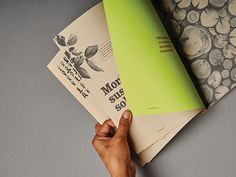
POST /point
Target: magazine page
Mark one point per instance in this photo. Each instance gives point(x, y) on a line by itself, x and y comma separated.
point(153, 76)
point(205, 35)
point(88, 48)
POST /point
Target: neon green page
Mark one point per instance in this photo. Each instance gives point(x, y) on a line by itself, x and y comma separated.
point(152, 74)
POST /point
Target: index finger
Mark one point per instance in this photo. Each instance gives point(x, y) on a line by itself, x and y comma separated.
point(106, 128)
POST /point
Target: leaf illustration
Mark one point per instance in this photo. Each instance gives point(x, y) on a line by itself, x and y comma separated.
point(76, 53)
point(61, 40)
point(72, 60)
point(93, 66)
point(79, 61)
point(82, 72)
point(72, 39)
point(91, 51)
point(67, 54)
point(71, 49)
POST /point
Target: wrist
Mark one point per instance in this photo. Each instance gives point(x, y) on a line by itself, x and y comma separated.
point(122, 171)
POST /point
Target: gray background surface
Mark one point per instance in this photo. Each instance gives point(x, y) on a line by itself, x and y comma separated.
point(45, 132)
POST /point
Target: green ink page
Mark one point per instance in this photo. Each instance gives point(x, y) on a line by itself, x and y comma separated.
point(152, 74)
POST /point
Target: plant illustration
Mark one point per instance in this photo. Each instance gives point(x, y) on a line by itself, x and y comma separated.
point(78, 57)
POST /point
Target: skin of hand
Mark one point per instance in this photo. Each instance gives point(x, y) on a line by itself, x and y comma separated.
point(113, 148)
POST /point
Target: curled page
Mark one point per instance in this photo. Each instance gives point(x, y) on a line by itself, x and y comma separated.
point(152, 74)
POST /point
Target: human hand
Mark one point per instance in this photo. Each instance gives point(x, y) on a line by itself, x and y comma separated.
point(113, 148)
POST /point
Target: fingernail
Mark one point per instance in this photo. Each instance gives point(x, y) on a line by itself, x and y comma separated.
point(126, 114)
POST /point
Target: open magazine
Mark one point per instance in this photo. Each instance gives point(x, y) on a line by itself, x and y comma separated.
point(166, 61)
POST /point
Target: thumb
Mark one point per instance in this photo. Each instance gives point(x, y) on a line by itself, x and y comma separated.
point(124, 124)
